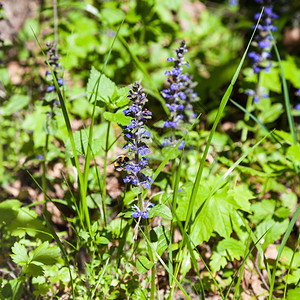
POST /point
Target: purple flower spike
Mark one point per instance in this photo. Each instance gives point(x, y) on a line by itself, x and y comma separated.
point(180, 94)
point(136, 137)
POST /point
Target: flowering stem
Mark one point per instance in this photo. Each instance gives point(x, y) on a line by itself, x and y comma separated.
point(150, 253)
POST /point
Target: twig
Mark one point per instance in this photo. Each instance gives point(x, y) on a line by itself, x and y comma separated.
point(261, 276)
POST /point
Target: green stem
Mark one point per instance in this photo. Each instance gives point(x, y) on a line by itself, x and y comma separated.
point(151, 256)
point(104, 174)
point(1, 152)
point(44, 180)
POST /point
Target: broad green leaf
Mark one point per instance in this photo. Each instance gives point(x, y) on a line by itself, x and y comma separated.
point(241, 196)
point(143, 264)
point(294, 152)
point(287, 255)
point(161, 210)
point(294, 294)
point(15, 103)
point(271, 114)
point(285, 136)
point(160, 237)
point(45, 254)
point(215, 215)
point(81, 141)
point(112, 15)
point(102, 240)
point(217, 262)
point(291, 71)
point(33, 269)
point(262, 209)
point(271, 80)
point(19, 255)
point(26, 222)
point(282, 212)
point(117, 117)
point(234, 248)
point(289, 200)
point(106, 87)
point(116, 227)
point(276, 230)
point(184, 196)
point(293, 279)
point(9, 210)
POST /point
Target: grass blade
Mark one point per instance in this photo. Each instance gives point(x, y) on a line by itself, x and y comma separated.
point(218, 117)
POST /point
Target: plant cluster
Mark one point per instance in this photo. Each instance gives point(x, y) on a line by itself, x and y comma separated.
point(113, 187)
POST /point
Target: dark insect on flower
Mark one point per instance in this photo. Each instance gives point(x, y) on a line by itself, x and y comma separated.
point(137, 138)
point(121, 162)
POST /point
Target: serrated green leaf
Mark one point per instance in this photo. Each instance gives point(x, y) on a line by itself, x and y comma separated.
point(106, 87)
point(161, 210)
point(215, 215)
point(117, 117)
point(20, 256)
point(34, 269)
point(45, 254)
point(217, 262)
point(143, 265)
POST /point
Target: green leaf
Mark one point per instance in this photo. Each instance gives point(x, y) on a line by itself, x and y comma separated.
point(271, 80)
point(102, 240)
point(262, 210)
point(215, 215)
point(19, 255)
point(15, 103)
point(106, 87)
point(285, 136)
point(217, 261)
point(117, 117)
point(294, 152)
point(276, 230)
point(26, 222)
point(9, 210)
point(161, 210)
point(143, 264)
point(289, 200)
point(282, 212)
point(33, 269)
point(160, 237)
point(234, 248)
point(81, 141)
point(291, 71)
point(294, 294)
point(45, 254)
